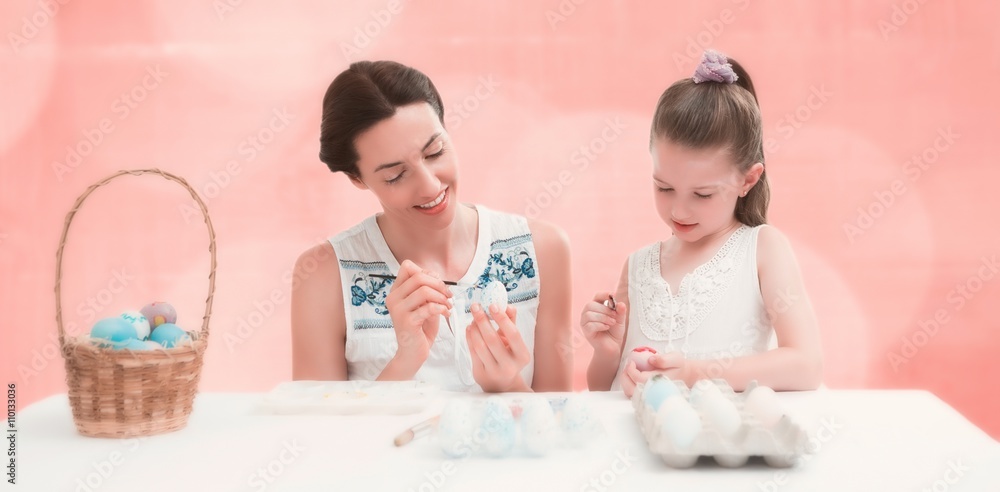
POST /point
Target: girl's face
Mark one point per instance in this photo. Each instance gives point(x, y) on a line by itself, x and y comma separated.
point(408, 163)
point(696, 189)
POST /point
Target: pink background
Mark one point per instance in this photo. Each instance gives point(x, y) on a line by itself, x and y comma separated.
point(526, 84)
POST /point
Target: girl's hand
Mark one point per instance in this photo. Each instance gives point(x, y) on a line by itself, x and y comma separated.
point(603, 327)
point(670, 364)
point(498, 355)
point(416, 301)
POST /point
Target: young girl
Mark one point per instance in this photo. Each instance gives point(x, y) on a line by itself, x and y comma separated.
point(711, 298)
point(371, 303)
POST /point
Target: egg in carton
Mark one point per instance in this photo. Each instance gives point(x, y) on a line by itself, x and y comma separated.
point(710, 419)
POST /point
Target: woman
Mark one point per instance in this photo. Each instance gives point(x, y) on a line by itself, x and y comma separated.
point(377, 306)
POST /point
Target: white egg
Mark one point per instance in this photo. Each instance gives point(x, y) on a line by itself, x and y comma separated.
point(139, 322)
point(721, 414)
point(679, 422)
point(763, 404)
point(579, 423)
point(538, 426)
point(701, 388)
point(455, 428)
point(493, 292)
point(498, 429)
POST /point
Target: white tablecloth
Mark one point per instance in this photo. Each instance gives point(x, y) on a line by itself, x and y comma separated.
point(864, 440)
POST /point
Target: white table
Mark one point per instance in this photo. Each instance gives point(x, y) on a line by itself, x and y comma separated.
point(866, 440)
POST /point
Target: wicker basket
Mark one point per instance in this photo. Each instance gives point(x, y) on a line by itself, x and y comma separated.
point(121, 393)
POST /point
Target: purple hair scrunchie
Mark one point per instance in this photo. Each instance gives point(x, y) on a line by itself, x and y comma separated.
point(714, 67)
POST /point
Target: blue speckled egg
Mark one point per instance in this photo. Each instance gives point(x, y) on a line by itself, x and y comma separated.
point(498, 428)
point(579, 423)
point(492, 293)
point(455, 427)
point(538, 426)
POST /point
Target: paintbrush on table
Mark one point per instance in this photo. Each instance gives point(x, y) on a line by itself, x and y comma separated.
point(416, 432)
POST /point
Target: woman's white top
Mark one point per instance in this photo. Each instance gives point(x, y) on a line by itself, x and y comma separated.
point(505, 252)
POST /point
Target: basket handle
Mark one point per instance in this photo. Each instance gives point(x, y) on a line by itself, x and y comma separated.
point(76, 206)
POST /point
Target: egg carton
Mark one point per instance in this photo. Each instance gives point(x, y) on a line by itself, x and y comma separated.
point(782, 445)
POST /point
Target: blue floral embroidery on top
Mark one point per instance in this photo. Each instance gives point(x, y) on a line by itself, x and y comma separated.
point(507, 268)
point(373, 291)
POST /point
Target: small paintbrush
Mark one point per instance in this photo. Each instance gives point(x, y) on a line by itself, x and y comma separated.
point(417, 431)
point(393, 277)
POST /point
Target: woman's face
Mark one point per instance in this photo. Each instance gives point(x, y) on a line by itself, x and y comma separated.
point(695, 189)
point(408, 163)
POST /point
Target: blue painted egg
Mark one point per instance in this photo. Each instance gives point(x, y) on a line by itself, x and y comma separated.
point(658, 390)
point(132, 344)
point(116, 331)
point(169, 335)
point(498, 427)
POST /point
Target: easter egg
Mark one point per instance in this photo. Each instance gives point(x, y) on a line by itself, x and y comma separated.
point(679, 422)
point(721, 413)
point(702, 388)
point(538, 426)
point(455, 427)
point(117, 331)
point(169, 335)
point(498, 427)
point(151, 345)
point(133, 344)
point(139, 322)
point(158, 313)
point(492, 293)
point(640, 356)
point(763, 404)
point(579, 424)
point(658, 390)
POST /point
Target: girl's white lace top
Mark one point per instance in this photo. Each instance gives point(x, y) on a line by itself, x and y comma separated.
point(716, 312)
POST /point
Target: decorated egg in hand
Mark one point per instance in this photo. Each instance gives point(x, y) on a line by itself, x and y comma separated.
point(159, 313)
point(492, 293)
point(117, 331)
point(169, 335)
point(641, 355)
point(139, 322)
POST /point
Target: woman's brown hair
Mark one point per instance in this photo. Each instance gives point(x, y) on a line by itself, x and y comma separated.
point(361, 96)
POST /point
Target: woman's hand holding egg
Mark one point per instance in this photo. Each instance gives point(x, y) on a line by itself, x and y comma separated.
point(498, 355)
point(415, 302)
